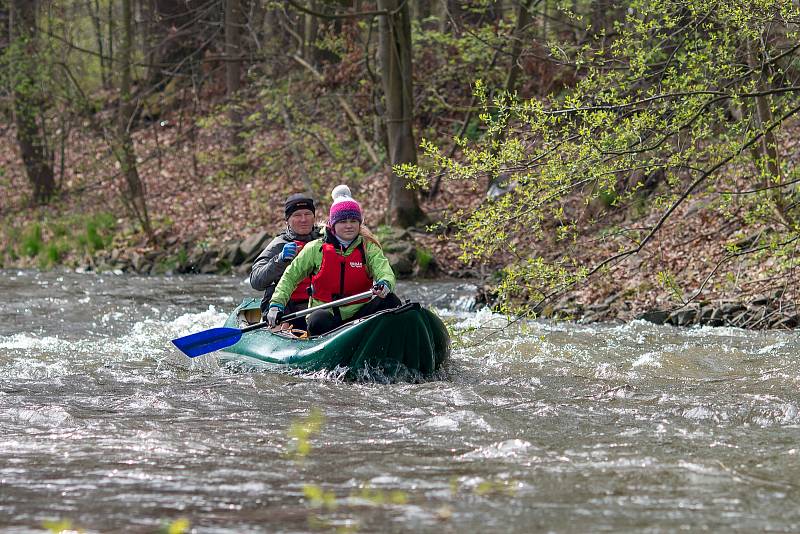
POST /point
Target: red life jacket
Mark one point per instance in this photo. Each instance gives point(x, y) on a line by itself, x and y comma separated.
point(302, 291)
point(341, 276)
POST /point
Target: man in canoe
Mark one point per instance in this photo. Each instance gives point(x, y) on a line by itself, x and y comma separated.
point(346, 261)
point(299, 212)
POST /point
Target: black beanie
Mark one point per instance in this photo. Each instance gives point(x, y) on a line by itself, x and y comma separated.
point(298, 201)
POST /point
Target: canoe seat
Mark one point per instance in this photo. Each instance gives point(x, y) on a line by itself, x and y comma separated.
point(251, 316)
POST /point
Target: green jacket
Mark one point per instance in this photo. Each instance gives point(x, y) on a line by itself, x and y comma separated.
point(309, 260)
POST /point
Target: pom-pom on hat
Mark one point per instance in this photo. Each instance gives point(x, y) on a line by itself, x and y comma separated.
point(344, 206)
point(298, 201)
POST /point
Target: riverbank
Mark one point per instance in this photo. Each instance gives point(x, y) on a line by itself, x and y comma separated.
point(769, 311)
point(210, 220)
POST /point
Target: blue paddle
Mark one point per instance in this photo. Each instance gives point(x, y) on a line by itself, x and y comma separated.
point(218, 338)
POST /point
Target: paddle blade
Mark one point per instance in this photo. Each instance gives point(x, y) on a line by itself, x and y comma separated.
point(207, 341)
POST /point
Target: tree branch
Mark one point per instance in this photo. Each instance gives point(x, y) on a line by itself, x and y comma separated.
point(689, 190)
point(719, 94)
point(347, 110)
point(339, 16)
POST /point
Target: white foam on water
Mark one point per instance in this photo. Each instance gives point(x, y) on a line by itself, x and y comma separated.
point(648, 359)
point(464, 303)
point(30, 356)
point(25, 341)
point(699, 469)
point(380, 480)
point(244, 487)
point(607, 371)
point(455, 420)
point(770, 349)
point(27, 368)
point(510, 448)
point(699, 413)
point(441, 422)
point(147, 402)
point(637, 330)
point(483, 318)
point(596, 460)
point(790, 413)
point(770, 410)
point(152, 336)
point(44, 416)
point(190, 323)
point(716, 331)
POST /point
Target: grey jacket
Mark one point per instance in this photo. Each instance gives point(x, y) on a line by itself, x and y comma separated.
point(268, 268)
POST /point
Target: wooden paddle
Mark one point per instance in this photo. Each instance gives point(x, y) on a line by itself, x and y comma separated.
point(218, 338)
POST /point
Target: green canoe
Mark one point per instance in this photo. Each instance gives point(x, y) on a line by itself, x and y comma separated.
point(406, 339)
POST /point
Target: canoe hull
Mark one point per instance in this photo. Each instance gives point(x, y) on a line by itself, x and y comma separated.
point(407, 339)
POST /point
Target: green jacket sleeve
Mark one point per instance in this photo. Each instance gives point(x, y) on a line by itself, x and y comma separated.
point(379, 267)
point(304, 264)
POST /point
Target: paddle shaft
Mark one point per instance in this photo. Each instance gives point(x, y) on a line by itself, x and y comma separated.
point(303, 313)
point(218, 338)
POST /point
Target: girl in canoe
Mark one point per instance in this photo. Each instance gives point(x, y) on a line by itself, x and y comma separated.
point(346, 261)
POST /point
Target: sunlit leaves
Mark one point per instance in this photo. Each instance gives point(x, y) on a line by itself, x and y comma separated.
point(669, 101)
point(179, 526)
point(318, 497)
point(379, 497)
point(302, 431)
point(667, 280)
point(60, 526)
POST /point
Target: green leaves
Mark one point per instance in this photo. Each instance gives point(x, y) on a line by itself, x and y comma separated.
point(59, 239)
point(302, 431)
point(680, 104)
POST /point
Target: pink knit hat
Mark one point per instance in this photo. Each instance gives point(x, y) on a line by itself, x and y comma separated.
point(343, 207)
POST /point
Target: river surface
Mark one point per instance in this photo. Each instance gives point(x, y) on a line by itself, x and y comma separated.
point(536, 427)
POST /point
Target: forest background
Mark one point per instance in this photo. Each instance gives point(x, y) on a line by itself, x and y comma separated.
point(590, 159)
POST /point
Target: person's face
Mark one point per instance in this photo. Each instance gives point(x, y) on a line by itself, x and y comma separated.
point(301, 222)
point(347, 229)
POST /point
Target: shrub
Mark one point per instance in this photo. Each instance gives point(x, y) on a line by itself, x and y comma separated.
point(32, 241)
point(424, 258)
point(51, 254)
point(99, 231)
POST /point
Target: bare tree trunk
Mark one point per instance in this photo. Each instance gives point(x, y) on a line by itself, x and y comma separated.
point(395, 54)
point(112, 29)
point(233, 53)
point(348, 110)
point(523, 19)
point(604, 14)
point(545, 19)
point(443, 14)
point(281, 31)
point(5, 28)
point(421, 9)
point(94, 13)
point(123, 143)
point(256, 24)
point(766, 151)
point(310, 30)
point(28, 107)
point(182, 31)
point(599, 20)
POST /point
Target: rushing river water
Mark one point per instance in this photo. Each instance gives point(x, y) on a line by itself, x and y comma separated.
point(537, 427)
